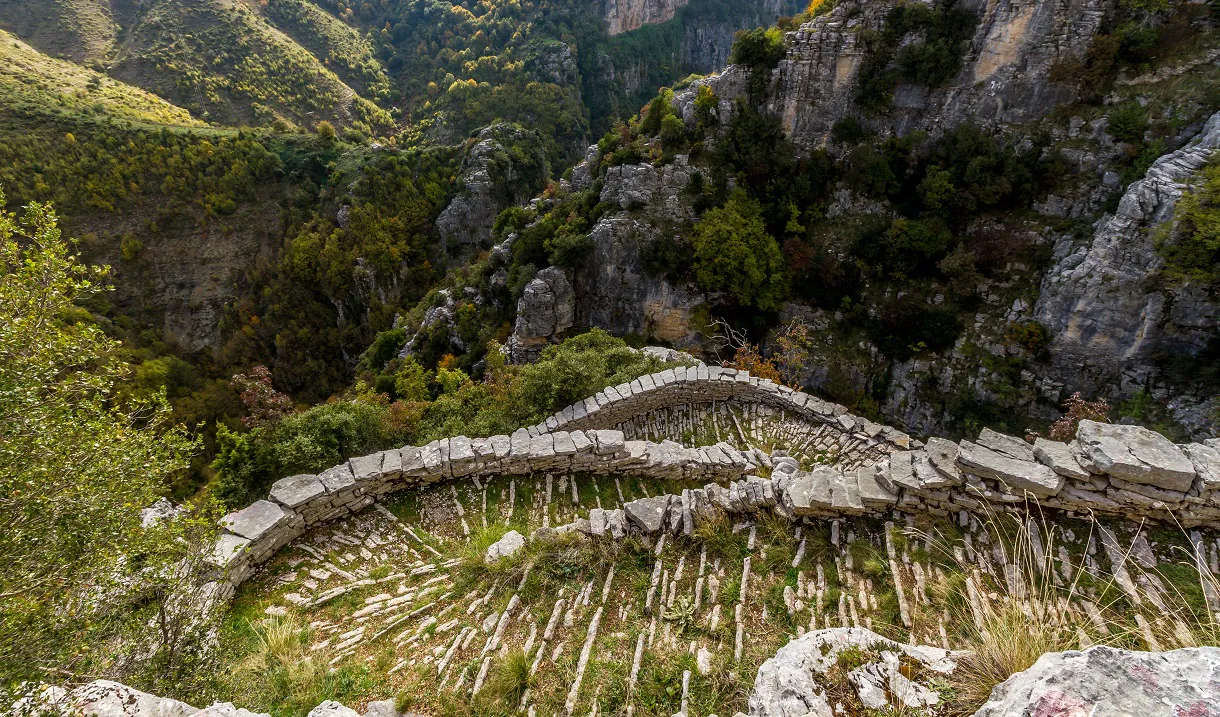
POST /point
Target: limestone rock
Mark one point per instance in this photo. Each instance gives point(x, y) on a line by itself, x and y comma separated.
point(227, 709)
point(505, 547)
point(1008, 445)
point(103, 698)
point(647, 513)
point(1105, 681)
point(255, 520)
point(330, 708)
point(1059, 458)
point(1207, 464)
point(297, 490)
point(1135, 454)
point(1107, 322)
point(491, 181)
point(546, 309)
point(793, 683)
point(1035, 478)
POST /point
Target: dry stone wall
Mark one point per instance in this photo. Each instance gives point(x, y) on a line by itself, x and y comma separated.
point(1123, 471)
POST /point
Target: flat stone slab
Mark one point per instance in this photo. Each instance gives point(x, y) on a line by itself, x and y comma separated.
point(1059, 458)
point(297, 490)
point(647, 513)
point(255, 520)
point(1135, 454)
point(228, 550)
point(1207, 463)
point(1010, 446)
point(1035, 478)
point(338, 479)
point(811, 493)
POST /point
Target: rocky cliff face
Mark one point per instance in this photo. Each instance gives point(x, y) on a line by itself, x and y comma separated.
point(1107, 311)
point(494, 178)
point(627, 15)
point(1004, 77)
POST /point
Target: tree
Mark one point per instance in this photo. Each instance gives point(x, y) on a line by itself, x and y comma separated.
point(734, 254)
point(78, 462)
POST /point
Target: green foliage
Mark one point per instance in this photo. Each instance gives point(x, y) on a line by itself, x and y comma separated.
point(735, 255)
point(1192, 253)
point(248, 463)
point(848, 130)
point(933, 58)
point(1128, 122)
point(411, 381)
point(568, 250)
point(77, 463)
point(758, 49)
point(107, 168)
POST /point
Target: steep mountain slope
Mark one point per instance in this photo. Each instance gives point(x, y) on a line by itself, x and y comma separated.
point(33, 83)
point(227, 63)
point(913, 188)
point(84, 31)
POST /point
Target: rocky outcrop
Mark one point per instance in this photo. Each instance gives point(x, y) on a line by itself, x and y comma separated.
point(1107, 314)
point(613, 290)
point(627, 15)
point(1105, 681)
point(492, 180)
point(545, 312)
point(1004, 78)
point(794, 682)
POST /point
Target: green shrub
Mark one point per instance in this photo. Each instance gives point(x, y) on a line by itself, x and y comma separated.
point(1128, 122)
point(1192, 253)
point(735, 255)
point(758, 48)
point(932, 59)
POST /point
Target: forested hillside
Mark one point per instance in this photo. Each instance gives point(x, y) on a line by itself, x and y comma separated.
point(265, 178)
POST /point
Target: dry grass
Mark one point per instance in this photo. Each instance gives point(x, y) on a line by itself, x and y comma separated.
point(1038, 611)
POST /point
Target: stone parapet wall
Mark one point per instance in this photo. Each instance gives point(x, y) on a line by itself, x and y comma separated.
point(297, 503)
point(703, 384)
point(1123, 471)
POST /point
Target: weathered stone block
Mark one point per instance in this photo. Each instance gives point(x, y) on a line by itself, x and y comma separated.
point(256, 520)
point(297, 490)
point(1135, 454)
point(1035, 478)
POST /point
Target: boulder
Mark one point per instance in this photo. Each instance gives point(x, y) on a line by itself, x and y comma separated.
point(1008, 445)
point(330, 708)
point(103, 698)
point(1106, 681)
point(1135, 454)
point(1035, 478)
point(794, 682)
point(648, 514)
point(505, 547)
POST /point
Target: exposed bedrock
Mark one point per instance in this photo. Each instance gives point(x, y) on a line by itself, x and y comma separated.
point(1107, 312)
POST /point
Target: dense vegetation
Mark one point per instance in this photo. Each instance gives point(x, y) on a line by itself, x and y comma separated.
point(78, 459)
point(420, 404)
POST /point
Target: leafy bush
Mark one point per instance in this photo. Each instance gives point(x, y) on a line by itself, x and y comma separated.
point(1192, 253)
point(761, 48)
point(1128, 122)
point(735, 255)
point(248, 463)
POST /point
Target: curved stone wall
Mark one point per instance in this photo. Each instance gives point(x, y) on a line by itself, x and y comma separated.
point(1124, 471)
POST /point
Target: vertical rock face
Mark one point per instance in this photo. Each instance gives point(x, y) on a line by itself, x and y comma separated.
point(1106, 318)
point(627, 15)
point(544, 312)
point(614, 291)
point(1004, 76)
